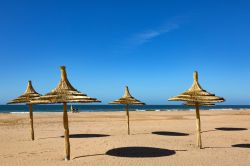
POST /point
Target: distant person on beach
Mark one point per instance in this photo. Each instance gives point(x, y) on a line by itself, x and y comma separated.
point(74, 110)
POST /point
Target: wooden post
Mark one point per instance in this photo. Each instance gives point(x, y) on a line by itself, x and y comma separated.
point(198, 125)
point(127, 113)
point(66, 131)
point(31, 122)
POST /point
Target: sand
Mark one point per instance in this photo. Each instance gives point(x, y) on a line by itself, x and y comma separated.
point(176, 148)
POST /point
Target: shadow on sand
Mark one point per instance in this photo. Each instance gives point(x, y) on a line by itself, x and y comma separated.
point(230, 129)
point(86, 135)
point(241, 145)
point(169, 133)
point(139, 152)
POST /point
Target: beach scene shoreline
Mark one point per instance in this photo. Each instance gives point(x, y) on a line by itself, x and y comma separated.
point(95, 136)
point(125, 83)
point(22, 108)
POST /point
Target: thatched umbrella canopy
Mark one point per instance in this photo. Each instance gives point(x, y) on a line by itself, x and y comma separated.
point(28, 95)
point(64, 93)
point(127, 100)
point(189, 103)
point(196, 96)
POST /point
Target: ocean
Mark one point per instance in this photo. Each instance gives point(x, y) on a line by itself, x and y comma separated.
point(111, 108)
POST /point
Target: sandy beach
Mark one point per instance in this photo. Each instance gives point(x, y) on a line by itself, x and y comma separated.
point(157, 138)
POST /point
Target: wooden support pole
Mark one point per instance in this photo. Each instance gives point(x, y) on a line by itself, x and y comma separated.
point(127, 113)
point(198, 126)
point(31, 122)
point(66, 131)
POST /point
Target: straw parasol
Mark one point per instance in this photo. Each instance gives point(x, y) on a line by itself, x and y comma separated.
point(64, 93)
point(188, 103)
point(28, 95)
point(127, 100)
point(196, 96)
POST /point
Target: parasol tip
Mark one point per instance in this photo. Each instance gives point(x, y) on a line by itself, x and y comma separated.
point(126, 93)
point(29, 82)
point(195, 75)
point(63, 73)
point(62, 67)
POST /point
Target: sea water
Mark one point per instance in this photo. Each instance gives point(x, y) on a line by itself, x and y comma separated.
point(117, 108)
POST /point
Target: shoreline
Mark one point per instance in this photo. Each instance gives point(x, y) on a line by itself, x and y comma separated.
point(132, 110)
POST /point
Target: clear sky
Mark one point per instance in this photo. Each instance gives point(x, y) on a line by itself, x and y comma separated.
point(153, 46)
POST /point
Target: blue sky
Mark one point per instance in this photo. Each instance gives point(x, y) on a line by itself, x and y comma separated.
point(152, 46)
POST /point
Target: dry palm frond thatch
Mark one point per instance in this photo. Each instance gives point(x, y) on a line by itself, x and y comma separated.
point(196, 96)
point(127, 100)
point(64, 93)
point(188, 103)
point(28, 95)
